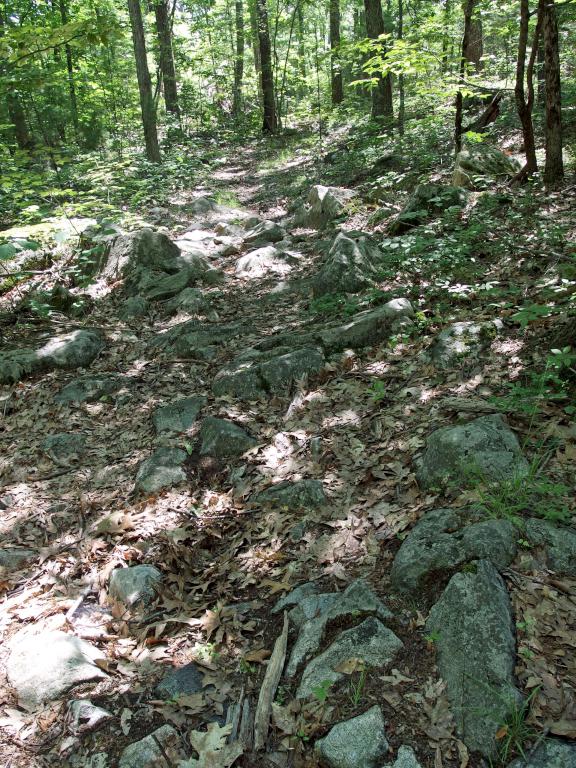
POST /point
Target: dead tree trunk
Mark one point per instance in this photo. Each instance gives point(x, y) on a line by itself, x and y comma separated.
point(525, 104)
point(335, 67)
point(468, 10)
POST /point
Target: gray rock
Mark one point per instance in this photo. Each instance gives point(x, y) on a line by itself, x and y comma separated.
point(186, 339)
point(190, 300)
point(352, 264)
point(265, 232)
point(302, 494)
point(76, 349)
point(264, 261)
point(147, 753)
point(550, 754)
point(427, 201)
point(90, 388)
point(223, 439)
point(178, 416)
point(356, 743)
point(41, 666)
point(134, 585)
point(250, 379)
point(485, 448)
point(203, 204)
point(164, 469)
point(280, 372)
point(473, 625)
point(133, 308)
point(557, 543)
point(293, 598)
point(326, 204)
point(14, 558)
point(64, 449)
point(367, 328)
point(482, 163)
point(445, 539)
point(370, 641)
point(144, 248)
point(183, 681)
point(86, 716)
point(406, 758)
point(460, 340)
point(162, 287)
point(315, 613)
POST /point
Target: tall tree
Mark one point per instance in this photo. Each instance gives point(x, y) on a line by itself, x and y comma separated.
point(382, 93)
point(144, 84)
point(554, 167)
point(468, 10)
point(335, 66)
point(70, 70)
point(475, 47)
point(301, 42)
point(401, 98)
point(524, 104)
point(239, 58)
point(166, 56)
point(270, 122)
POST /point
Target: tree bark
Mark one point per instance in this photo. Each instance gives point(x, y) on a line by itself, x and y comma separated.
point(166, 59)
point(524, 105)
point(18, 119)
point(70, 69)
point(255, 46)
point(335, 67)
point(554, 167)
point(401, 107)
point(270, 122)
point(144, 84)
point(446, 18)
point(541, 72)
point(475, 48)
point(382, 93)
point(468, 10)
point(301, 46)
point(239, 59)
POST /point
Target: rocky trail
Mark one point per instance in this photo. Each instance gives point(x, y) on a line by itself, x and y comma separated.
point(257, 510)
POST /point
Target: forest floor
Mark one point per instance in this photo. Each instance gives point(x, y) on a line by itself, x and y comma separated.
point(358, 427)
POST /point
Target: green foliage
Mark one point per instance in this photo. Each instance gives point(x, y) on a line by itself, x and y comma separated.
point(334, 304)
point(516, 732)
point(356, 685)
point(321, 691)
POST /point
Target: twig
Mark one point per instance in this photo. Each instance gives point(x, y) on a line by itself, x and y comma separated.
point(268, 689)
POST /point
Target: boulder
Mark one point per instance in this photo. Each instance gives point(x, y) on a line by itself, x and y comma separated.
point(473, 626)
point(134, 308)
point(461, 340)
point(64, 449)
point(302, 494)
point(11, 559)
point(265, 232)
point(262, 262)
point(190, 300)
point(479, 164)
point(427, 201)
point(161, 748)
point(557, 544)
point(294, 597)
point(549, 754)
point(326, 204)
point(203, 204)
point(86, 716)
point(90, 388)
point(143, 248)
point(314, 613)
point(445, 539)
point(134, 585)
point(370, 641)
point(249, 379)
point(223, 439)
point(159, 287)
point(42, 665)
point(406, 758)
point(76, 349)
point(356, 743)
point(187, 339)
point(164, 469)
point(353, 264)
point(483, 449)
point(367, 328)
point(183, 681)
point(178, 416)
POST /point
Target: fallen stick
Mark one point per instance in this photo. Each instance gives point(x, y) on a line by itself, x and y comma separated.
point(269, 686)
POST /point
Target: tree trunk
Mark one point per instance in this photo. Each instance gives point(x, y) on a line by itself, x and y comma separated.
point(401, 107)
point(541, 72)
point(70, 68)
point(475, 48)
point(270, 123)
point(239, 60)
point(554, 168)
point(255, 46)
point(468, 10)
point(335, 67)
point(382, 93)
point(166, 61)
point(18, 119)
point(447, 16)
point(144, 84)
point(301, 46)
point(524, 105)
